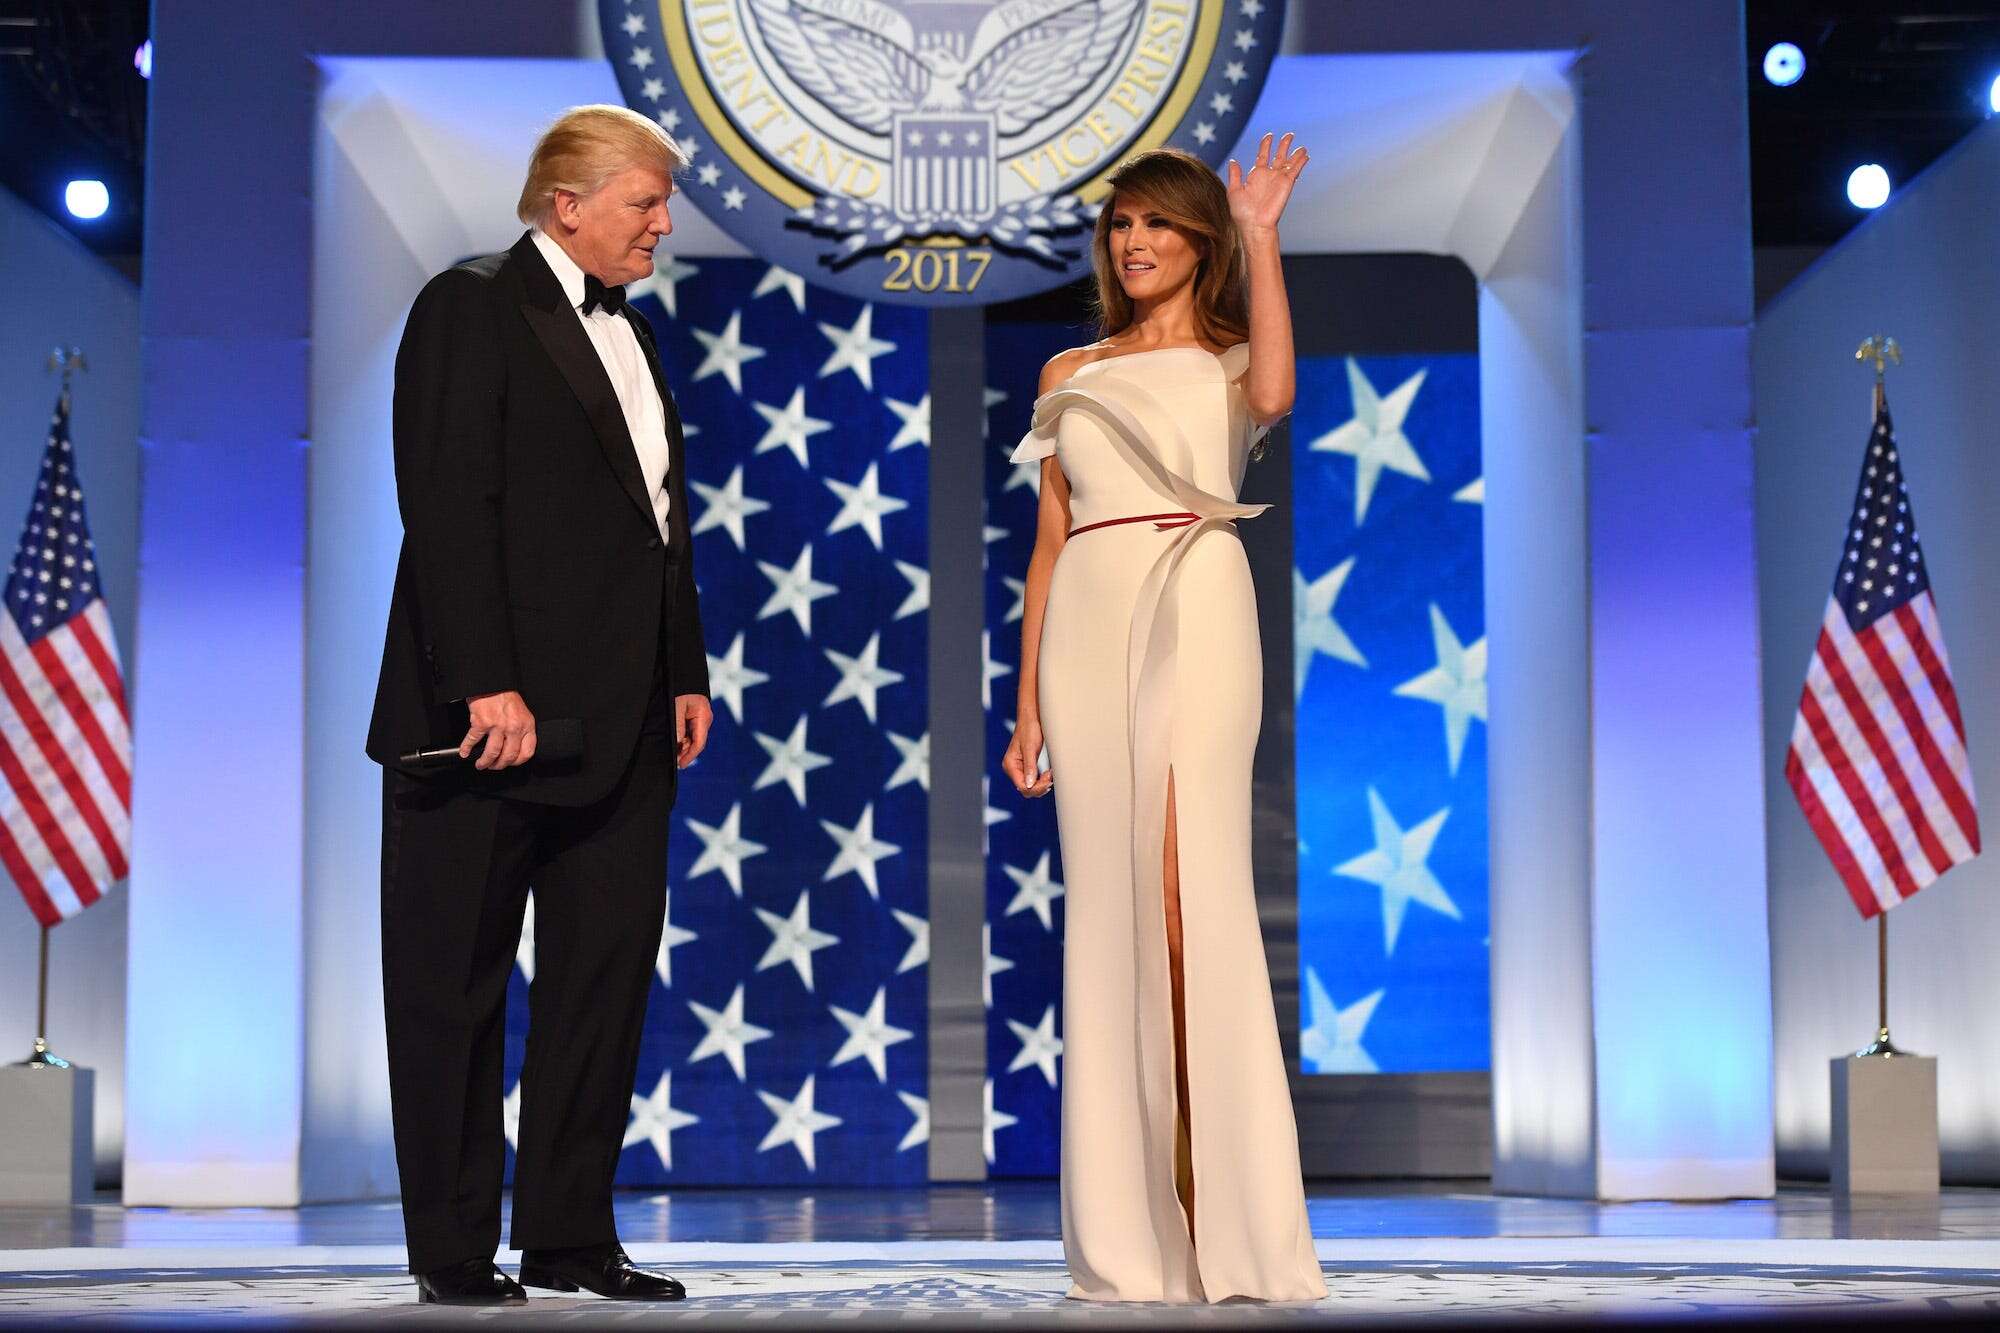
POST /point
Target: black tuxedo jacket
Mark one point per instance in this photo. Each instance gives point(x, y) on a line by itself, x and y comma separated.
point(531, 558)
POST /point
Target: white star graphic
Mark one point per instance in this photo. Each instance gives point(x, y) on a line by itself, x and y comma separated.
point(1221, 104)
point(776, 279)
point(1314, 630)
point(916, 761)
point(790, 761)
point(992, 1121)
point(524, 952)
point(992, 670)
point(797, 1122)
point(724, 848)
point(788, 427)
point(641, 57)
point(1234, 71)
point(653, 89)
point(863, 505)
point(1204, 133)
point(994, 814)
point(655, 1118)
point(860, 849)
point(919, 951)
point(1028, 473)
point(728, 677)
point(994, 963)
point(920, 1131)
point(1472, 493)
point(728, 1032)
point(869, 1035)
point(920, 589)
point(1035, 891)
point(860, 677)
point(667, 271)
point(726, 352)
point(793, 939)
point(727, 507)
point(1456, 684)
point(1330, 1043)
point(855, 349)
point(1398, 867)
point(1251, 8)
point(1019, 587)
point(794, 589)
point(633, 25)
point(671, 938)
point(733, 197)
point(916, 419)
point(1040, 1046)
point(669, 119)
point(510, 1117)
point(709, 175)
point(1375, 436)
point(1245, 39)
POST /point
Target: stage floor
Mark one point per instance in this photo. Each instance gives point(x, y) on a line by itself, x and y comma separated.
point(991, 1252)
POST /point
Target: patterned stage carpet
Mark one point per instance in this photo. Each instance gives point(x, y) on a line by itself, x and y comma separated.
point(1020, 1284)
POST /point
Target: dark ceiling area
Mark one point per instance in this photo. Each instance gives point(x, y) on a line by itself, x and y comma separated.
point(1891, 83)
point(73, 107)
point(1885, 81)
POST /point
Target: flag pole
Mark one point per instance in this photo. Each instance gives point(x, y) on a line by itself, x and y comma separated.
point(68, 360)
point(1880, 350)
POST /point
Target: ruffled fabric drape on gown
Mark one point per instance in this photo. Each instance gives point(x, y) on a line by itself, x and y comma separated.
point(1150, 662)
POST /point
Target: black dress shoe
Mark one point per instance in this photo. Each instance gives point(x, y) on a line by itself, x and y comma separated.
point(474, 1282)
point(604, 1269)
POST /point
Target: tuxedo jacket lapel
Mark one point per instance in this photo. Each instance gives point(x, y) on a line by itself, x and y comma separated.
point(556, 326)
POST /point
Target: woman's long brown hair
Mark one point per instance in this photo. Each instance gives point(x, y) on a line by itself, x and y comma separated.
point(1181, 188)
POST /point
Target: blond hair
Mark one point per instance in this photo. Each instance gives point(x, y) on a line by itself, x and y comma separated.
point(1179, 187)
point(586, 147)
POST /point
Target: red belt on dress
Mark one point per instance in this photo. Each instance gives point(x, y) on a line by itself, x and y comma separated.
point(1160, 522)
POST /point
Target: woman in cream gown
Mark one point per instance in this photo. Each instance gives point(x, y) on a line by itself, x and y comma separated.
point(1142, 672)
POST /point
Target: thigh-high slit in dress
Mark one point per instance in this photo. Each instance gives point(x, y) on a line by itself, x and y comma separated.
point(1150, 664)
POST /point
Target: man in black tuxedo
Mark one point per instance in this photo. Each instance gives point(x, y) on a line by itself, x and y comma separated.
point(546, 573)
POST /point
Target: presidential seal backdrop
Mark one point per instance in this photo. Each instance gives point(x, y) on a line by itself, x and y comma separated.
point(933, 152)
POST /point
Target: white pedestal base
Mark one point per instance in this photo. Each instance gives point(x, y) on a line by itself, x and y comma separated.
point(46, 1152)
point(1885, 1125)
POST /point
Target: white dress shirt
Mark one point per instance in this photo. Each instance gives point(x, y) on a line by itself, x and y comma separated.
point(624, 361)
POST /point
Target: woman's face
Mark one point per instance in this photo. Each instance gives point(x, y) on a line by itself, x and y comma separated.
point(1152, 257)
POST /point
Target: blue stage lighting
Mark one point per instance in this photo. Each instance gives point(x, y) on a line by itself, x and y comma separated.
point(1993, 96)
point(1784, 64)
point(86, 199)
point(1868, 186)
point(142, 59)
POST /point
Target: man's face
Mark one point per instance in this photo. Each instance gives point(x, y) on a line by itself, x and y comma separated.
point(612, 232)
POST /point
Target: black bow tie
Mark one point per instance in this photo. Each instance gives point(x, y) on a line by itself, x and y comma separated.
point(596, 296)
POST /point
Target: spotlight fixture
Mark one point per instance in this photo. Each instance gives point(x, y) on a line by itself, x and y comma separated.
point(87, 200)
point(142, 59)
point(1784, 64)
point(1993, 96)
point(1868, 186)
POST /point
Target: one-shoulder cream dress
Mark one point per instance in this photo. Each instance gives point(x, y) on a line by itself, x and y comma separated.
point(1150, 661)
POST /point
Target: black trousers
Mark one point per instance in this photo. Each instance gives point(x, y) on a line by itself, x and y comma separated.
point(456, 872)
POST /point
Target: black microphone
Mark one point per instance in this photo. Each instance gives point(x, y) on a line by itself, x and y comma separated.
point(558, 740)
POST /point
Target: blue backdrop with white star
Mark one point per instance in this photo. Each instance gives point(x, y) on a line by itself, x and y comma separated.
point(1390, 672)
point(1024, 907)
point(785, 1037)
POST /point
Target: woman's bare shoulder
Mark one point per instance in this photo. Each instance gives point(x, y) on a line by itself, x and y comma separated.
point(1065, 364)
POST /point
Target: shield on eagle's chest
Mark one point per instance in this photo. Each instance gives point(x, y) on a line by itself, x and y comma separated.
point(943, 164)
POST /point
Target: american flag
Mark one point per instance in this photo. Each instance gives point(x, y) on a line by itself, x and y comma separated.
point(65, 736)
point(1878, 759)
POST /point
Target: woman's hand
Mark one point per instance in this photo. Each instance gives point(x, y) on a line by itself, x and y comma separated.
point(1023, 760)
point(1258, 200)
